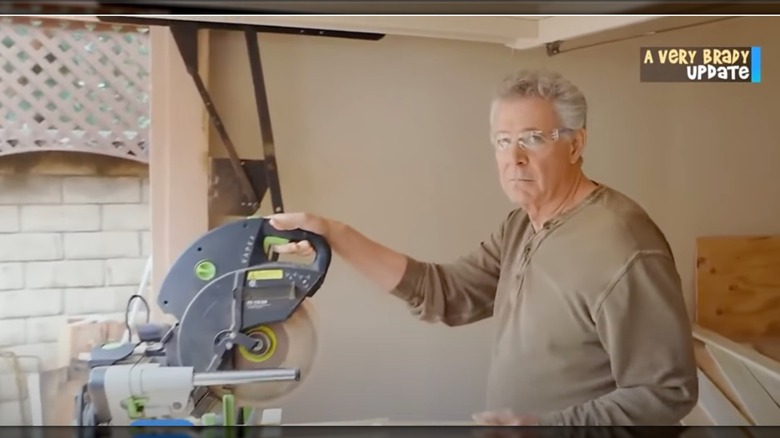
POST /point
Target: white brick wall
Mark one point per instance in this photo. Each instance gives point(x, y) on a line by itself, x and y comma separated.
point(97, 299)
point(9, 218)
point(12, 332)
point(64, 273)
point(85, 217)
point(69, 245)
point(25, 247)
point(101, 190)
point(31, 302)
point(126, 217)
point(23, 189)
point(124, 272)
point(146, 244)
point(11, 276)
point(102, 245)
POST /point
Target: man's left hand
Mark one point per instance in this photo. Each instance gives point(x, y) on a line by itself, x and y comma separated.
point(505, 418)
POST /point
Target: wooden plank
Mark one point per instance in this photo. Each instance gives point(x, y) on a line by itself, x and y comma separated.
point(770, 384)
point(35, 399)
point(744, 353)
point(717, 406)
point(753, 398)
point(738, 285)
point(178, 163)
point(271, 417)
point(764, 368)
point(709, 367)
point(769, 347)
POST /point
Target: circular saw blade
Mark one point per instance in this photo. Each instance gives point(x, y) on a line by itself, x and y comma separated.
point(293, 344)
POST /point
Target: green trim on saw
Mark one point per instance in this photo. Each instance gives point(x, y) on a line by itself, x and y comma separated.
point(111, 345)
point(205, 270)
point(208, 419)
point(269, 241)
point(248, 413)
point(135, 407)
point(228, 410)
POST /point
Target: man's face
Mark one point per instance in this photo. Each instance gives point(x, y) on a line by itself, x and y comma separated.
point(529, 175)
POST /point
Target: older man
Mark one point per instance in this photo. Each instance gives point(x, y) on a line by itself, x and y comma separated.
point(591, 322)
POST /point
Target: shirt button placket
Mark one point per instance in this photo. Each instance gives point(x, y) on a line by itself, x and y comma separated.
point(526, 252)
point(520, 278)
point(523, 263)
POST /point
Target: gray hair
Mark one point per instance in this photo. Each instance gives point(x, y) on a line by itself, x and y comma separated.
point(569, 102)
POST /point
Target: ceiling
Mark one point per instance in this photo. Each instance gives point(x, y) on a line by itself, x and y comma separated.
point(530, 17)
point(517, 32)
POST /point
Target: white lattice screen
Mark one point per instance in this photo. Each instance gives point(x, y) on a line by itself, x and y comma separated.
point(71, 85)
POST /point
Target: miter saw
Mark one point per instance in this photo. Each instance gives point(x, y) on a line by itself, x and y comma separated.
point(243, 330)
point(243, 333)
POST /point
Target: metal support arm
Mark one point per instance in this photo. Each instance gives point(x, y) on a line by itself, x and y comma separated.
point(252, 178)
point(186, 37)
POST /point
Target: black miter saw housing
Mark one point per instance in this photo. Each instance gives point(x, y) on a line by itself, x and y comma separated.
point(223, 285)
point(227, 283)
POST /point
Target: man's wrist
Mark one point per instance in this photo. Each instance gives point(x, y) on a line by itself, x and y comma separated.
point(332, 229)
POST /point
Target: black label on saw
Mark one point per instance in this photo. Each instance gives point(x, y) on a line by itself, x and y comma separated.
point(257, 298)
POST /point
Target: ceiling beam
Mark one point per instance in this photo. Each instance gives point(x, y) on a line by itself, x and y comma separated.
point(566, 27)
point(503, 7)
point(487, 29)
point(516, 32)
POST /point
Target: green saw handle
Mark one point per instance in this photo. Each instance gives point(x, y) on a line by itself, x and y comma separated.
point(272, 236)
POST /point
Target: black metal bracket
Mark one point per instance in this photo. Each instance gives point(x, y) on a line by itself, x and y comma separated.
point(258, 28)
point(237, 186)
point(186, 37)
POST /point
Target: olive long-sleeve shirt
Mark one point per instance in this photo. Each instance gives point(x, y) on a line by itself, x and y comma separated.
point(591, 321)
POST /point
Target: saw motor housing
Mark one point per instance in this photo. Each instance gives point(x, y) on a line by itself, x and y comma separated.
point(228, 295)
point(227, 283)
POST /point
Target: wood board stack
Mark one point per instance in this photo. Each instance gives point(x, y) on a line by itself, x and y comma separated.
point(737, 331)
point(80, 336)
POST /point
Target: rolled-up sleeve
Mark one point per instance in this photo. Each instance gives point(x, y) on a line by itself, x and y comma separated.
point(644, 327)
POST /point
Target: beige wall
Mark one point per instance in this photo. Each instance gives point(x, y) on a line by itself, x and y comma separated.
point(403, 123)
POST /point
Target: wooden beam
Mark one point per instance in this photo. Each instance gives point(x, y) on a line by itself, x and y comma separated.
point(178, 165)
point(489, 29)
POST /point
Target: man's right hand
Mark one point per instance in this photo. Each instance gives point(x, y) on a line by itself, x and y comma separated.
point(304, 221)
point(379, 263)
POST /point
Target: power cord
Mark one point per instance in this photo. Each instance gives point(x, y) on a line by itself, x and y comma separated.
point(127, 313)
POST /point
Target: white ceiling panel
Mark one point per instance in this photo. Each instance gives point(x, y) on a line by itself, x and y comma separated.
point(518, 32)
point(514, 31)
